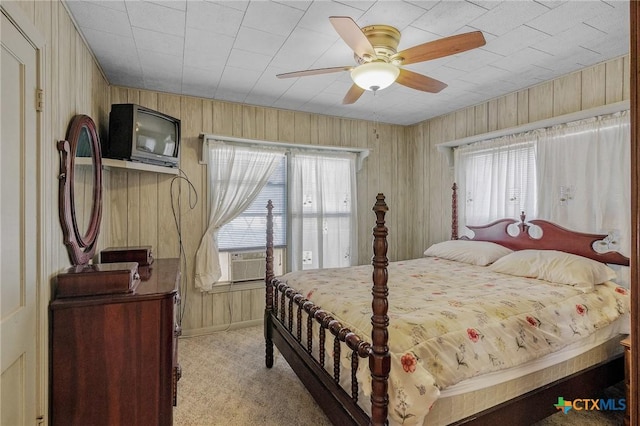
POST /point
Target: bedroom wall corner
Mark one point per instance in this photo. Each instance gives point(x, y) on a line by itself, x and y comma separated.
point(140, 202)
point(602, 84)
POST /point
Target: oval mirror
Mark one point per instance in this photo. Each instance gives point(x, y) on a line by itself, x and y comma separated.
point(80, 189)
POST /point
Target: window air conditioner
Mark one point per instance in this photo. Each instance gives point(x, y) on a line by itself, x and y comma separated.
point(247, 266)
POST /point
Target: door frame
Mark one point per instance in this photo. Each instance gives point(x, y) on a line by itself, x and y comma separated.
point(17, 16)
point(634, 52)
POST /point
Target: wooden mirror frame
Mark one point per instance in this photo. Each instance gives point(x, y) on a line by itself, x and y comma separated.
point(81, 246)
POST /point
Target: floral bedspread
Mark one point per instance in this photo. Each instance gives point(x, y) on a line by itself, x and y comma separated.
point(450, 321)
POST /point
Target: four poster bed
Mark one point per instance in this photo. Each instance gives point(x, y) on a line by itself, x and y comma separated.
point(467, 334)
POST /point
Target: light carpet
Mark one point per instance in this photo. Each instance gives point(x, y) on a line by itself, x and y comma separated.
point(225, 382)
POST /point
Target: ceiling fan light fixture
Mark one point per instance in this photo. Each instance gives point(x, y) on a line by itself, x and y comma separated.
point(375, 75)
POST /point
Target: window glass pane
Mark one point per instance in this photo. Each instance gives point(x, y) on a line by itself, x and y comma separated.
point(248, 229)
point(496, 181)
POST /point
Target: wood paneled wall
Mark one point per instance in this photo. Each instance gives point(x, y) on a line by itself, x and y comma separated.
point(598, 85)
point(141, 202)
point(403, 162)
point(73, 84)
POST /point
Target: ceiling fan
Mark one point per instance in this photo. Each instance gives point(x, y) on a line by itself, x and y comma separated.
point(378, 61)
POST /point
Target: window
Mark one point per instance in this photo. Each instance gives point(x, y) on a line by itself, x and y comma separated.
point(323, 216)
point(247, 230)
point(318, 194)
point(574, 174)
point(244, 175)
point(496, 179)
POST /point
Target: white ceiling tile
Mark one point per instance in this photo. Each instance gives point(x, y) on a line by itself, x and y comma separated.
point(162, 84)
point(200, 76)
point(271, 17)
point(515, 40)
point(123, 77)
point(248, 60)
point(97, 17)
point(155, 17)
point(552, 4)
point(316, 18)
point(340, 86)
point(473, 59)
point(486, 75)
point(425, 4)
point(159, 64)
point(198, 82)
point(104, 42)
point(609, 47)
point(571, 61)
point(522, 59)
point(257, 41)
point(412, 36)
point(448, 16)
point(121, 68)
point(316, 84)
point(112, 4)
point(236, 4)
point(396, 14)
point(173, 4)
point(206, 48)
point(615, 21)
point(230, 95)
point(302, 5)
point(203, 59)
point(158, 42)
point(444, 73)
point(487, 4)
point(568, 15)
point(239, 79)
point(290, 102)
point(214, 18)
point(338, 54)
point(562, 42)
point(302, 48)
point(359, 4)
point(179, 48)
point(507, 16)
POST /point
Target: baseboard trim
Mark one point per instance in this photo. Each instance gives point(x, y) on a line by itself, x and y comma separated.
point(230, 287)
point(222, 327)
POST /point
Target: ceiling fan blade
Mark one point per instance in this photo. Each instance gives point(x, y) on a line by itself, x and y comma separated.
point(440, 48)
point(417, 81)
point(314, 72)
point(353, 36)
point(353, 94)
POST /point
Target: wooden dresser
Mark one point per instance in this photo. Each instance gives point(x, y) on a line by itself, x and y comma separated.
point(113, 358)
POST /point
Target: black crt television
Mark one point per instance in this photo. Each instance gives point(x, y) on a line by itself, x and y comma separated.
point(141, 134)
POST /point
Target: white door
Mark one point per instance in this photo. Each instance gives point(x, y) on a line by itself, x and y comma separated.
point(18, 233)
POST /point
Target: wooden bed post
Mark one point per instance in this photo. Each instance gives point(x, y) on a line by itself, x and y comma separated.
point(454, 212)
point(268, 278)
point(379, 360)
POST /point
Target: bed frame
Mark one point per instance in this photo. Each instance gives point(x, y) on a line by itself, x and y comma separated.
point(342, 408)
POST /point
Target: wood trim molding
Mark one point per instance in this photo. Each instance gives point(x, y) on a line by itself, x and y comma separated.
point(634, 380)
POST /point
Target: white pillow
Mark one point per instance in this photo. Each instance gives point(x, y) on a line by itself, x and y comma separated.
point(555, 266)
point(475, 252)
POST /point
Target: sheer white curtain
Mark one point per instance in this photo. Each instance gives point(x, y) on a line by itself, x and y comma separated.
point(322, 203)
point(584, 176)
point(236, 176)
point(496, 179)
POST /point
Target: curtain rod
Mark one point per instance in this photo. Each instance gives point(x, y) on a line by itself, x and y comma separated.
point(361, 152)
point(447, 147)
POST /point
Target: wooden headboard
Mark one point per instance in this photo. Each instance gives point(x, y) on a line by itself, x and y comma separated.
point(553, 237)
